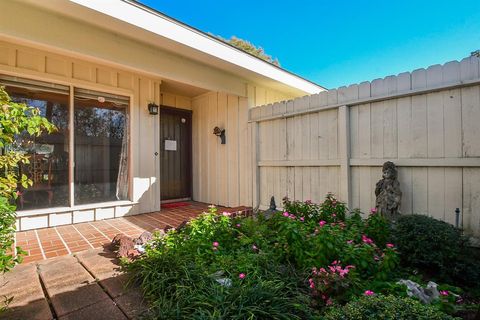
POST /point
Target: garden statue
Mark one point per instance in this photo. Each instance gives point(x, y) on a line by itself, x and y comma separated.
point(272, 209)
point(388, 192)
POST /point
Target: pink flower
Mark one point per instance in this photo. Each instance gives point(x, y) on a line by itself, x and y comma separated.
point(390, 245)
point(366, 239)
point(322, 223)
point(350, 241)
point(369, 293)
point(226, 214)
point(285, 214)
point(334, 215)
point(242, 275)
point(312, 284)
point(444, 293)
point(292, 216)
point(216, 244)
point(329, 302)
point(254, 248)
point(238, 225)
point(302, 219)
point(373, 210)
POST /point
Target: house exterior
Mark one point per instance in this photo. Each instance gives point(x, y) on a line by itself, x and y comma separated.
point(97, 69)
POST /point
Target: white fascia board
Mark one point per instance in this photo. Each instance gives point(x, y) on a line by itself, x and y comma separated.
point(160, 25)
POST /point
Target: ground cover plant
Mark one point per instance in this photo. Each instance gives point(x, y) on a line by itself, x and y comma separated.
point(302, 263)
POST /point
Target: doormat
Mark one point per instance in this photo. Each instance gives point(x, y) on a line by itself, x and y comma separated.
point(175, 205)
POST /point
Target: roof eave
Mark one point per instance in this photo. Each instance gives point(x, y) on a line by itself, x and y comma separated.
point(148, 19)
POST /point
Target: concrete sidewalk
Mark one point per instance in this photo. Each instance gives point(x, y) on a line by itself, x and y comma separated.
point(88, 285)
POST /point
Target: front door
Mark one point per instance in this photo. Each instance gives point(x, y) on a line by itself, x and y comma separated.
point(176, 153)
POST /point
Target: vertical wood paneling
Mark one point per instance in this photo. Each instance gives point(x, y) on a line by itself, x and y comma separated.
point(471, 199)
point(404, 118)
point(435, 128)
point(390, 120)
point(453, 193)
point(419, 116)
point(222, 158)
point(376, 120)
point(233, 151)
point(213, 146)
point(244, 153)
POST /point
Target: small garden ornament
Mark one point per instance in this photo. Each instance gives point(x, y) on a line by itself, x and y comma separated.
point(388, 193)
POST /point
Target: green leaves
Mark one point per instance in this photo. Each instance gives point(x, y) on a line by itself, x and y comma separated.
point(15, 118)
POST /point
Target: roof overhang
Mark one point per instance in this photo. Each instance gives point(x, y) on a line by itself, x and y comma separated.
point(131, 19)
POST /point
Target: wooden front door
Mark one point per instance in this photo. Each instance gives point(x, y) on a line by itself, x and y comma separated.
point(175, 154)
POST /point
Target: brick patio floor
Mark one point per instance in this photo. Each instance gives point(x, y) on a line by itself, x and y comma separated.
point(41, 244)
point(71, 274)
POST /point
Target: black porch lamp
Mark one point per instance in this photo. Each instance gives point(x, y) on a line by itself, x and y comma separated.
point(153, 108)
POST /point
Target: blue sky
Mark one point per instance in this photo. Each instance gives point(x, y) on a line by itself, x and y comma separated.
point(335, 43)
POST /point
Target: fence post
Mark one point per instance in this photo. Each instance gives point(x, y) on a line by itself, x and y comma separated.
point(344, 154)
point(256, 169)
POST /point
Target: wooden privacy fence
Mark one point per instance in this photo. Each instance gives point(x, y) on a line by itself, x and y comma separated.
point(427, 122)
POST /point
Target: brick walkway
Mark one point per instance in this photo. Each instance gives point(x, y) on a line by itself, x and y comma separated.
point(53, 242)
point(71, 274)
point(85, 286)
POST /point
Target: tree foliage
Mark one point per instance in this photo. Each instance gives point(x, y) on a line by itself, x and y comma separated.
point(248, 47)
point(15, 118)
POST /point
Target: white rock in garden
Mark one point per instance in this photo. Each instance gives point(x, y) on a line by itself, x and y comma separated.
point(425, 295)
point(225, 282)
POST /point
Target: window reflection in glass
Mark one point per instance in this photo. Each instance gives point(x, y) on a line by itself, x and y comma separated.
point(48, 153)
point(100, 151)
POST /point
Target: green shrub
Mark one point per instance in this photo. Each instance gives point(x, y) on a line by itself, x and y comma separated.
point(181, 274)
point(385, 307)
point(15, 118)
point(330, 210)
point(436, 247)
point(274, 265)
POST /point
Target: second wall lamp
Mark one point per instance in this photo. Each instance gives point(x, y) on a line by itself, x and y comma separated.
point(220, 133)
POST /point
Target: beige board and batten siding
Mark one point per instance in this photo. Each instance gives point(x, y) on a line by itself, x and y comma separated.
point(220, 171)
point(31, 63)
point(425, 121)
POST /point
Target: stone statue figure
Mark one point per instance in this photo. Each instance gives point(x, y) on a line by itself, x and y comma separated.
point(388, 192)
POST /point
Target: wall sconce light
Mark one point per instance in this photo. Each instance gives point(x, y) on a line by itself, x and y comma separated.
point(153, 108)
point(220, 133)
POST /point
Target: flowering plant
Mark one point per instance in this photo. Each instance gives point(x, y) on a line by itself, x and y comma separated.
point(332, 284)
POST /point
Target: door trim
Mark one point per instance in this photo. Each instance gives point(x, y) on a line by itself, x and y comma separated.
point(188, 115)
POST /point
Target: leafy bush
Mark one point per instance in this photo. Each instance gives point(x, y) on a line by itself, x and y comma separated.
point(14, 119)
point(220, 266)
point(331, 210)
point(385, 307)
point(333, 284)
point(437, 247)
